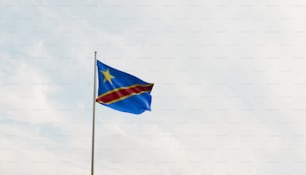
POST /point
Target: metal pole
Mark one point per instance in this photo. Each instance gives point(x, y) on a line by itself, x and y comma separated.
point(93, 117)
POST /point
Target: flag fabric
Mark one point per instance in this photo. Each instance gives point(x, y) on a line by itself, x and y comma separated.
point(122, 91)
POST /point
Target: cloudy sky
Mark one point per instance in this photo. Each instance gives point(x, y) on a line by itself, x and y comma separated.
point(229, 95)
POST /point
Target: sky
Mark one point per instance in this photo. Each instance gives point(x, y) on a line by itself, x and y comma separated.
point(229, 87)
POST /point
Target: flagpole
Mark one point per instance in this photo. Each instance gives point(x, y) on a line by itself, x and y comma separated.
point(93, 117)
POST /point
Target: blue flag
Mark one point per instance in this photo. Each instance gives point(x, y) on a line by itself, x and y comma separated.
point(122, 91)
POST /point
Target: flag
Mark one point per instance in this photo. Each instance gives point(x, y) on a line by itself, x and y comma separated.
point(122, 91)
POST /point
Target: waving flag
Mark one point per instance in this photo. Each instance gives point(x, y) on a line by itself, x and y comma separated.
point(122, 91)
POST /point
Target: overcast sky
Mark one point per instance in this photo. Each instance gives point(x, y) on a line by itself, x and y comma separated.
point(229, 95)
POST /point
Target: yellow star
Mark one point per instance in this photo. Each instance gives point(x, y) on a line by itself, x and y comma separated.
point(107, 76)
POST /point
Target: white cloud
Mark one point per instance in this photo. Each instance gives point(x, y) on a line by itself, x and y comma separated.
point(228, 95)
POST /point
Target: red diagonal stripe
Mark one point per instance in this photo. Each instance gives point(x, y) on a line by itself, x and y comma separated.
point(122, 93)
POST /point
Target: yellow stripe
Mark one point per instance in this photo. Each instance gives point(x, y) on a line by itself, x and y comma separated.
point(122, 98)
point(128, 87)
